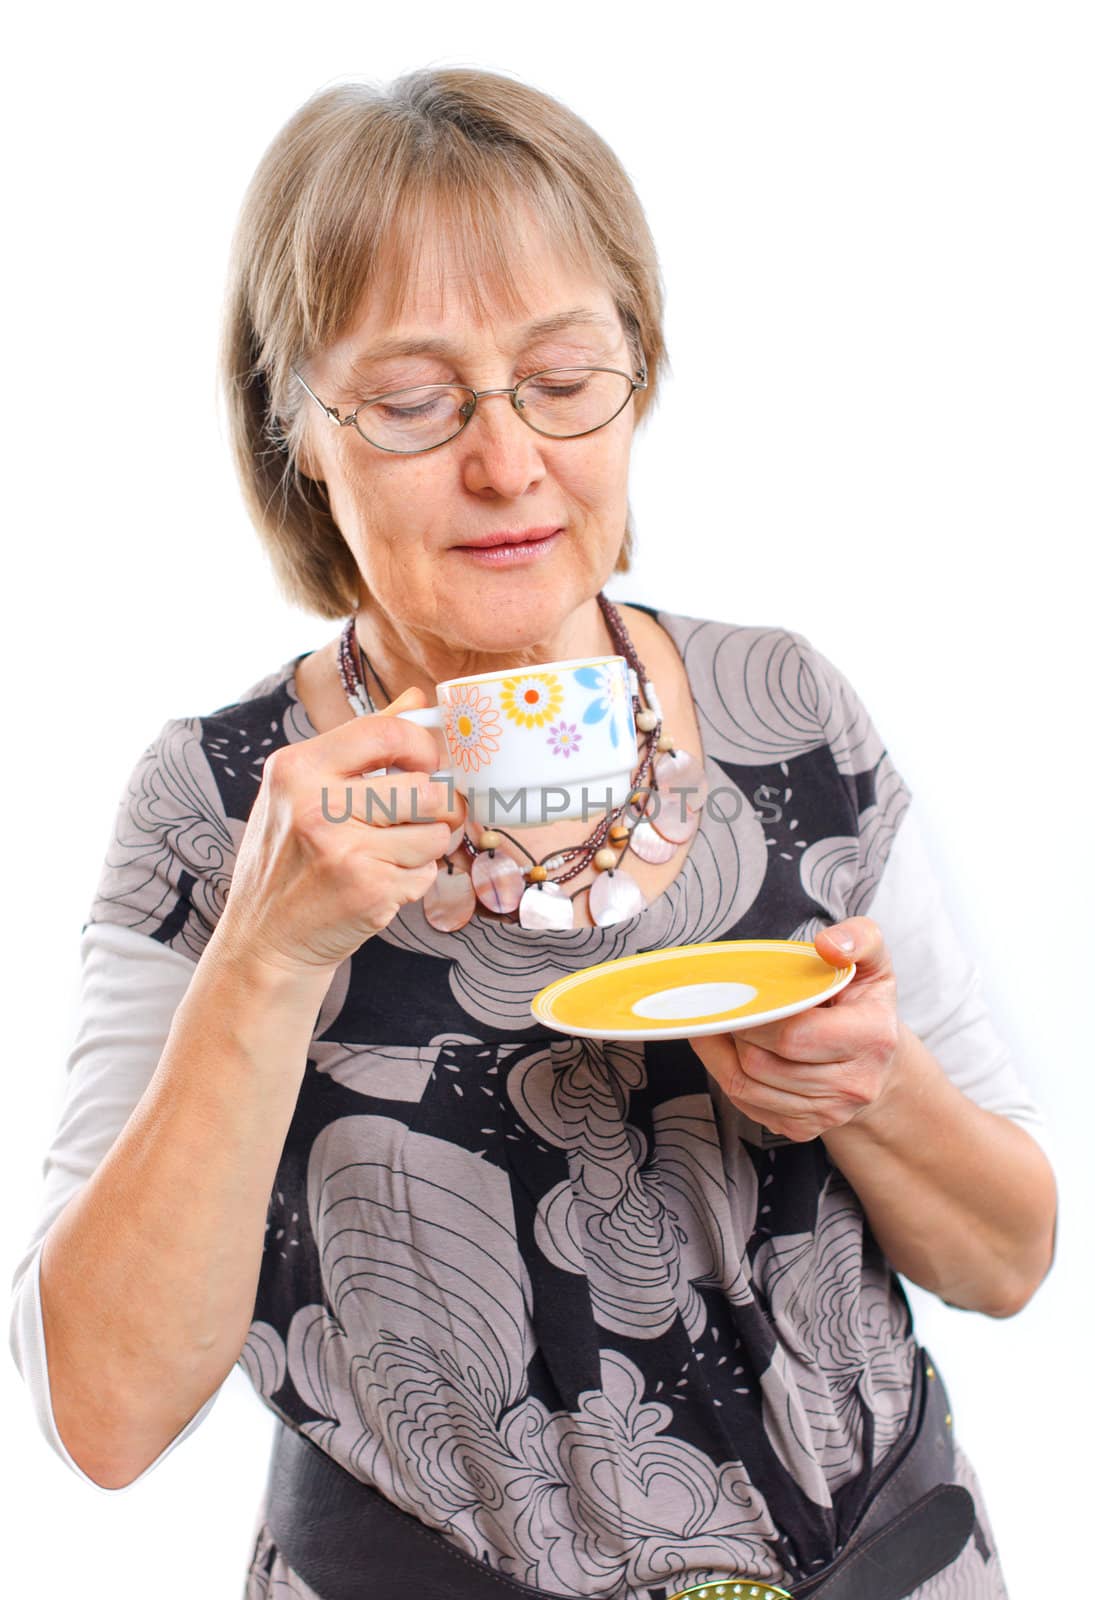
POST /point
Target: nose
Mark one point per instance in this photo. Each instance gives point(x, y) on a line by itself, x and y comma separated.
point(501, 454)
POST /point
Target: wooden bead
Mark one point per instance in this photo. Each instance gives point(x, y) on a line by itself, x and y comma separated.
point(605, 859)
point(646, 721)
point(489, 839)
point(619, 833)
point(667, 742)
point(536, 874)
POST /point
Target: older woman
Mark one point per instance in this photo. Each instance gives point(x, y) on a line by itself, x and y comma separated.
point(538, 1315)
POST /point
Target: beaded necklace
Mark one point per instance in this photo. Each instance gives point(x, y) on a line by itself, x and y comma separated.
point(660, 814)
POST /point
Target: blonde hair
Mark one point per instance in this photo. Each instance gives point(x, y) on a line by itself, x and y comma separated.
point(339, 206)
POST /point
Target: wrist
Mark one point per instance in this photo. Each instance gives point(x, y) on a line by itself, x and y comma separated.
point(267, 978)
point(906, 1080)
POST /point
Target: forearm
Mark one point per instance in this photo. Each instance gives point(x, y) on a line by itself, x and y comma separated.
point(148, 1276)
point(961, 1200)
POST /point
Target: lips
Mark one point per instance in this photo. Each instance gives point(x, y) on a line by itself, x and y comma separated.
point(513, 536)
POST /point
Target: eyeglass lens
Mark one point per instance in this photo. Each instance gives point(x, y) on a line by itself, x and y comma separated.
point(560, 403)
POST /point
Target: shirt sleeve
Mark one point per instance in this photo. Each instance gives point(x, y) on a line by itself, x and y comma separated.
point(887, 874)
point(843, 873)
point(161, 891)
point(169, 865)
point(130, 986)
point(939, 986)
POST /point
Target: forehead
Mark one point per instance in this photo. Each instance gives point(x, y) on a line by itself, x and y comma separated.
point(446, 288)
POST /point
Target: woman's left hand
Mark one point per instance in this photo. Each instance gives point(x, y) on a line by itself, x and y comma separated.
point(807, 1074)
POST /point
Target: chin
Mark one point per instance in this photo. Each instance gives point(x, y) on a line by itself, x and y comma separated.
point(512, 610)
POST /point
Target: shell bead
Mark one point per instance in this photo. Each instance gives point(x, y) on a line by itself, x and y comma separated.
point(673, 820)
point(649, 845)
point(678, 769)
point(546, 906)
point(498, 880)
point(449, 902)
point(614, 897)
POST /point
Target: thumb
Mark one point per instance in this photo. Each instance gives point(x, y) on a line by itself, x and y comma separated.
point(856, 939)
point(412, 699)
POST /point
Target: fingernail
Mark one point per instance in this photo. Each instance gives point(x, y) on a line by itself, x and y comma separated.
point(843, 941)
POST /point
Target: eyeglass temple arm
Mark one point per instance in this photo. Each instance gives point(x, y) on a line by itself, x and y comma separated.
point(330, 411)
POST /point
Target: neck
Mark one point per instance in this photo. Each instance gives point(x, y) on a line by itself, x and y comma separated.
point(423, 660)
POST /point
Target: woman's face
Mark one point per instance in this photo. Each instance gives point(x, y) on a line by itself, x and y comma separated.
point(408, 519)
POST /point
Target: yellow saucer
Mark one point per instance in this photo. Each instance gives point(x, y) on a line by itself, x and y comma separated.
point(691, 989)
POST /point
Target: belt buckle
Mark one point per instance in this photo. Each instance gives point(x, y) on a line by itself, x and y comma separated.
point(732, 1589)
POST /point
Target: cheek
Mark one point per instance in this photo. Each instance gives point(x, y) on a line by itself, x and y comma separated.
point(352, 489)
point(385, 511)
point(599, 475)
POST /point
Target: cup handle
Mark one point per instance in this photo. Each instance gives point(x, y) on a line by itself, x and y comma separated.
point(427, 717)
point(431, 717)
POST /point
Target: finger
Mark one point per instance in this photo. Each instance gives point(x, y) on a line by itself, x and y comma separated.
point(801, 1125)
point(817, 1036)
point(415, 844)
point(393, 799)
point(764, 1074)
point(743, 1068)
point(382, 739)
point(857, 939)
point(720, 1055)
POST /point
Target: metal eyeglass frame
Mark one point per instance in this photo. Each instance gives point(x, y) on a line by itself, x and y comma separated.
point(469, 408)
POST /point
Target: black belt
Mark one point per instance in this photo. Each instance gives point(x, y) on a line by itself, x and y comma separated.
point(349, 1543)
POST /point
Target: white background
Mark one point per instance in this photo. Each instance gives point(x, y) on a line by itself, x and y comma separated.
point(875, 226)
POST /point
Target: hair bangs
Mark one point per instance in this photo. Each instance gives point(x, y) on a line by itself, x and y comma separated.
point(474, 234)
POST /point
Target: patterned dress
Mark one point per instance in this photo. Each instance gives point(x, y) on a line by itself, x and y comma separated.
point(558, 1298)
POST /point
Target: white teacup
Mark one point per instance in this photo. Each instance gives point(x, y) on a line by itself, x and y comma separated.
point(538, 744)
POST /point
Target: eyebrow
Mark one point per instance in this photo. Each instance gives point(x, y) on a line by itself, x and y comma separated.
point(578, 316)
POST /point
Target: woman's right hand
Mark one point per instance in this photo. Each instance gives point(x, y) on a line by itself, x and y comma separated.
point(307, 890)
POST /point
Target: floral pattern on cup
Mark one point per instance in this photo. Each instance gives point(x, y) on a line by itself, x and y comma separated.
point(612, 699)
point(472, 727)
point(564, 739)
point(532, 699)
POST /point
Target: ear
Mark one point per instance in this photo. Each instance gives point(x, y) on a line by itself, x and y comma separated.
point(307, 459)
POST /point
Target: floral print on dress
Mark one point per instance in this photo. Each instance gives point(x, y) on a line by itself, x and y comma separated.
point(564, 739)
point(533, 699)
point(472, 727)
point(558, 1297)
point(415, 1371)
point(612, 700)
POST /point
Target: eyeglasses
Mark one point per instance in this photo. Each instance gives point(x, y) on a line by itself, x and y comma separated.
point(560, 403)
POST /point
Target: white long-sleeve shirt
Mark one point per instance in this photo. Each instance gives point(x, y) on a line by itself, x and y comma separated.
point(131, 986)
